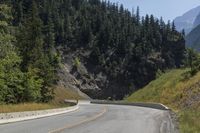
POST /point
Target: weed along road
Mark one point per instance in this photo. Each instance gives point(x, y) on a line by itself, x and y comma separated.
point(98, 118)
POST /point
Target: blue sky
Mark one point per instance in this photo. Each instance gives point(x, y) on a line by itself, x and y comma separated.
point(168, 9)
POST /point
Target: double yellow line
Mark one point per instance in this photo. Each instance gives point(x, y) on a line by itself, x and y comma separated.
point(80, 122)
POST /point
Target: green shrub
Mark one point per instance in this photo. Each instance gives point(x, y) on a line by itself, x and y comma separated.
point(77, 62)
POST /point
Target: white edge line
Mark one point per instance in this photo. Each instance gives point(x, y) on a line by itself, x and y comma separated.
point(70, 109)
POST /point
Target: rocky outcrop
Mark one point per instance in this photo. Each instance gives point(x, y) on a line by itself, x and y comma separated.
point(75, 76)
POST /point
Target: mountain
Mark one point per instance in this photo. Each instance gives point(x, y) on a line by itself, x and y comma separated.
point(190, 21)
point(197, 21)
point(193, 38)
point(91, 46)
point(187, 20)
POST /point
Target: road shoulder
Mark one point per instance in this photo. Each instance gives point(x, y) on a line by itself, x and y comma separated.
point(6, 118)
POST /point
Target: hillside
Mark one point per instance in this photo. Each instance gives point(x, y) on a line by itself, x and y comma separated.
point(97, 47)
point(180, 93)
point(193, 38)
point(60, 95)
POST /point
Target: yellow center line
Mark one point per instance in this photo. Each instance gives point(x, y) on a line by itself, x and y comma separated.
point(80, 122)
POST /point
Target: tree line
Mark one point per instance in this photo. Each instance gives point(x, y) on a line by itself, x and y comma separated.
point(27, 65)
point(128, 48)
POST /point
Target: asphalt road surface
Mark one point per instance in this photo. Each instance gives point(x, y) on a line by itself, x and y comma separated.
point(92, 118)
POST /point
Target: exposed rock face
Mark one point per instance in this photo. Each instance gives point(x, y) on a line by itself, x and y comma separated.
point(69, 81)
point(79, 74)
point(78, 78)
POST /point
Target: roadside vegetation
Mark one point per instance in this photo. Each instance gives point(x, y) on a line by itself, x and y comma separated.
point(62, 93)
point(178, 91)
point(27, 107)
point(58, 102)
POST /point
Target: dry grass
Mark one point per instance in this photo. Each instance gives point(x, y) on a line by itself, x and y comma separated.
point(25, 107)
point(62, 93)
point(174, 90)
point(58, 102)
point(189, 121)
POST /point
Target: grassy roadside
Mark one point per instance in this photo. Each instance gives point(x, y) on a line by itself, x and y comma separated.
point(60, 95)
point(179, 93)
point(189, 121)
point(26, 107)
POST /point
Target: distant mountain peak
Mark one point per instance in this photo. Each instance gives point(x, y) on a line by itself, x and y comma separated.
point(190, 15)
point(187, 20)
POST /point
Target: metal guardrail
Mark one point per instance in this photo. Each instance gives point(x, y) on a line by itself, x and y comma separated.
point(148, 105)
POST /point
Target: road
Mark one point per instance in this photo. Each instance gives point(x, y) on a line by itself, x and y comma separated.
point(93, 118)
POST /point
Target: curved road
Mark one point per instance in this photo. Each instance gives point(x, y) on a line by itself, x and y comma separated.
point(92, 118)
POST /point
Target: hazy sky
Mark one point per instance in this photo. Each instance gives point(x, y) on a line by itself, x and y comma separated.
point(169, 9)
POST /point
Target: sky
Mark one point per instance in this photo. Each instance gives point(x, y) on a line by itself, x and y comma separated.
point(168, 9)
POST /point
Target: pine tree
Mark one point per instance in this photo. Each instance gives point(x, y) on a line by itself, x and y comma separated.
point(30, 39)
point(11, 78)
point(124, 47)
point(31, 45)
point(138, 15)
point(183, 33)
point(173, 27)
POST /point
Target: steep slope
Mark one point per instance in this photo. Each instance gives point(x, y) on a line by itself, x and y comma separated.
point(186, 20)
point(105, 50)
point(197, 21)
point(74, 75)
point(193, 39)
point(178, 92)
